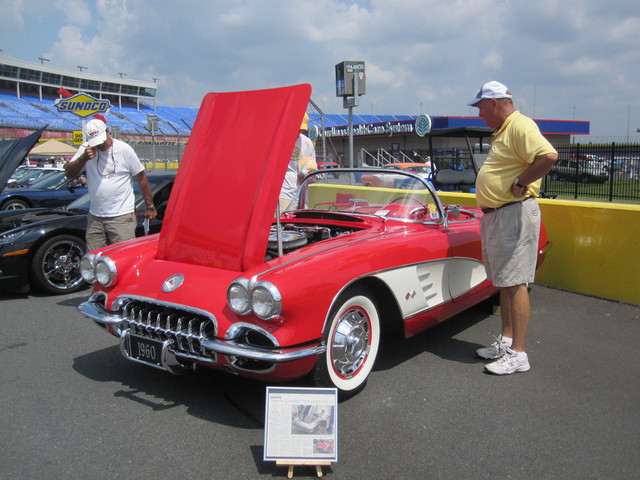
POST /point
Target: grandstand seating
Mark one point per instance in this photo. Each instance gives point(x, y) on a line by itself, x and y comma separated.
point(31, 112)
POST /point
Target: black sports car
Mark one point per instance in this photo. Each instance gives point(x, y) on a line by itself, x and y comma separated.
point(42, 247)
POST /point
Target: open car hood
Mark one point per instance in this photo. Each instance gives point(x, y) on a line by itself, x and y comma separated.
point(225, 194)
point(12, 152)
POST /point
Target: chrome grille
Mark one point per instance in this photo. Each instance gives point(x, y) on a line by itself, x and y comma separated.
point(187, 329)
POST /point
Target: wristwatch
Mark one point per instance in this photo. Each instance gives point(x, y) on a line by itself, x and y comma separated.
point(151, 207)
point(518, 184)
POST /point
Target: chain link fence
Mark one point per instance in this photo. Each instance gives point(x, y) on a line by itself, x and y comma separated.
point(159, 155)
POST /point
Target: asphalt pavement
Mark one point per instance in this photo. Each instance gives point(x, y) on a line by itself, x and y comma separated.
point(72, 408)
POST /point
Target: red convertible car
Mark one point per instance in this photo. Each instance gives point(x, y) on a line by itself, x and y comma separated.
point(231, 284)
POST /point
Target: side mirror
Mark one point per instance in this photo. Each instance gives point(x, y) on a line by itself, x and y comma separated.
point(453, 211)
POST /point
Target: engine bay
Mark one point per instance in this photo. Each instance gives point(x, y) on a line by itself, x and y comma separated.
point(297, 235)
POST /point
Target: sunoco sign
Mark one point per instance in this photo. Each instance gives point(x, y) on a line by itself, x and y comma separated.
point(82, 105)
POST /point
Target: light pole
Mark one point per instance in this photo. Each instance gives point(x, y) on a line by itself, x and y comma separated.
point(628, 120)
point(351, 105)
point(350, 84)
point(152, 124)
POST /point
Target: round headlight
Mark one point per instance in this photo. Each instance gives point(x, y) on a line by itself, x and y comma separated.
point(106, 271)
point(266, 300)
point(88, 268)
point(238, 296)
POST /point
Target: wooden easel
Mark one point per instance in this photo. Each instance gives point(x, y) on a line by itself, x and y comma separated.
point(293, 463)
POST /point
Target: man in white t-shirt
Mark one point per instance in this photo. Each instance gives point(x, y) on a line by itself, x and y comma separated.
point(109, 165)
point(303, 161)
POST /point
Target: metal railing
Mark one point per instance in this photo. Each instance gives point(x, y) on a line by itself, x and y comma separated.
point(606, 172)
point(382, 157)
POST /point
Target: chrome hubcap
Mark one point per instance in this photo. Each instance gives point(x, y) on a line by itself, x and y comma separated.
point(350, 343)
point(63, 264)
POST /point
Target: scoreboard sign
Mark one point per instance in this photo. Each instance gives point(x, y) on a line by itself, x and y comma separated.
point(82, 105)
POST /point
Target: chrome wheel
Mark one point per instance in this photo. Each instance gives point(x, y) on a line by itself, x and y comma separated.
point(56, 265)
point(352, 337)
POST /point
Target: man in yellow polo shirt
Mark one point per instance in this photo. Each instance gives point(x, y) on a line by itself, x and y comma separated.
point(506, 188)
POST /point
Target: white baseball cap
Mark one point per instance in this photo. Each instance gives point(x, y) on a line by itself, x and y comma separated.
point(491, 90)
point(96, 132)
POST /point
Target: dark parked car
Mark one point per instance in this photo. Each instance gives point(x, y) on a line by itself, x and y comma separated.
point(52, 190)
point(43, 247)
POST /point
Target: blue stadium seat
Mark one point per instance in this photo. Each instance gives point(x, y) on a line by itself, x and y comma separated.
point(31, 112)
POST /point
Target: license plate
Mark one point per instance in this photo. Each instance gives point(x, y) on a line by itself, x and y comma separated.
point(145, 350)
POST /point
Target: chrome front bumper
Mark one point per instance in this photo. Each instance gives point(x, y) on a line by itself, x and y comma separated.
point(93, 309)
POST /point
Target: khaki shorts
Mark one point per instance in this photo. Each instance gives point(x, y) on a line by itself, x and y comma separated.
point(103, 231)
point(510, 243)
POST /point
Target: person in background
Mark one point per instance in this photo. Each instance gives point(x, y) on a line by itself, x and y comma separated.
point(110, 165)
point(303, 161)
point(506, 188)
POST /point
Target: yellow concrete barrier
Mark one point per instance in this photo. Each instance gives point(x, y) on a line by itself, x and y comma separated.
point(596, 246)
point(160, 166)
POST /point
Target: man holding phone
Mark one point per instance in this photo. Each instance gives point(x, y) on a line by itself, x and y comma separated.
point(109, 165)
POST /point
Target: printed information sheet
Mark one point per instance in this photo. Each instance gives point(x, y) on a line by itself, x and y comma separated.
point(301, 424)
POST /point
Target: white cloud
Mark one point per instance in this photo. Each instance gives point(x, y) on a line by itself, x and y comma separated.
point(492, 61)
point(76, 11)
point(11, 20)
point(555, 55)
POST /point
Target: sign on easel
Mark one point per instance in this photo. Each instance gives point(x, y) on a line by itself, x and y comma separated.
point(301, 427)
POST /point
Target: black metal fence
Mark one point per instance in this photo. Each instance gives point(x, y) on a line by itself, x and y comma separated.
point(605, 172)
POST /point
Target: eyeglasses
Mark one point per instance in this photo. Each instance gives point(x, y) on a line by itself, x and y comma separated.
point(106, 167)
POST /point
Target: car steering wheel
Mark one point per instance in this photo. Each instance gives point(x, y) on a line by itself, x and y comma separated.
point(414, 213)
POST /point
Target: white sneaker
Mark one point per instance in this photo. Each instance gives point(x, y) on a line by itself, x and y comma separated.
point(510, 362)
point(496, 350)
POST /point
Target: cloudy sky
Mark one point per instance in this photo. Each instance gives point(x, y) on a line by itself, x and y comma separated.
point(563, 59)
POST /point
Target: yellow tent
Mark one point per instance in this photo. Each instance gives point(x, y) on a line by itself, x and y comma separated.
point(53, 148)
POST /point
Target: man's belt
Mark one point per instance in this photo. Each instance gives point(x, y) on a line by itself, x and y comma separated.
point(489, 210)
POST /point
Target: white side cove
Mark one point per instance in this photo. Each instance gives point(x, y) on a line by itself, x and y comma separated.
point(426, 285)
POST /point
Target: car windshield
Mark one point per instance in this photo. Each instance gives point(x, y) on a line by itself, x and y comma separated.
point(19, 172)
point(52, 181)
point(32, 176)
point(81, 203)
point(392, 194)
